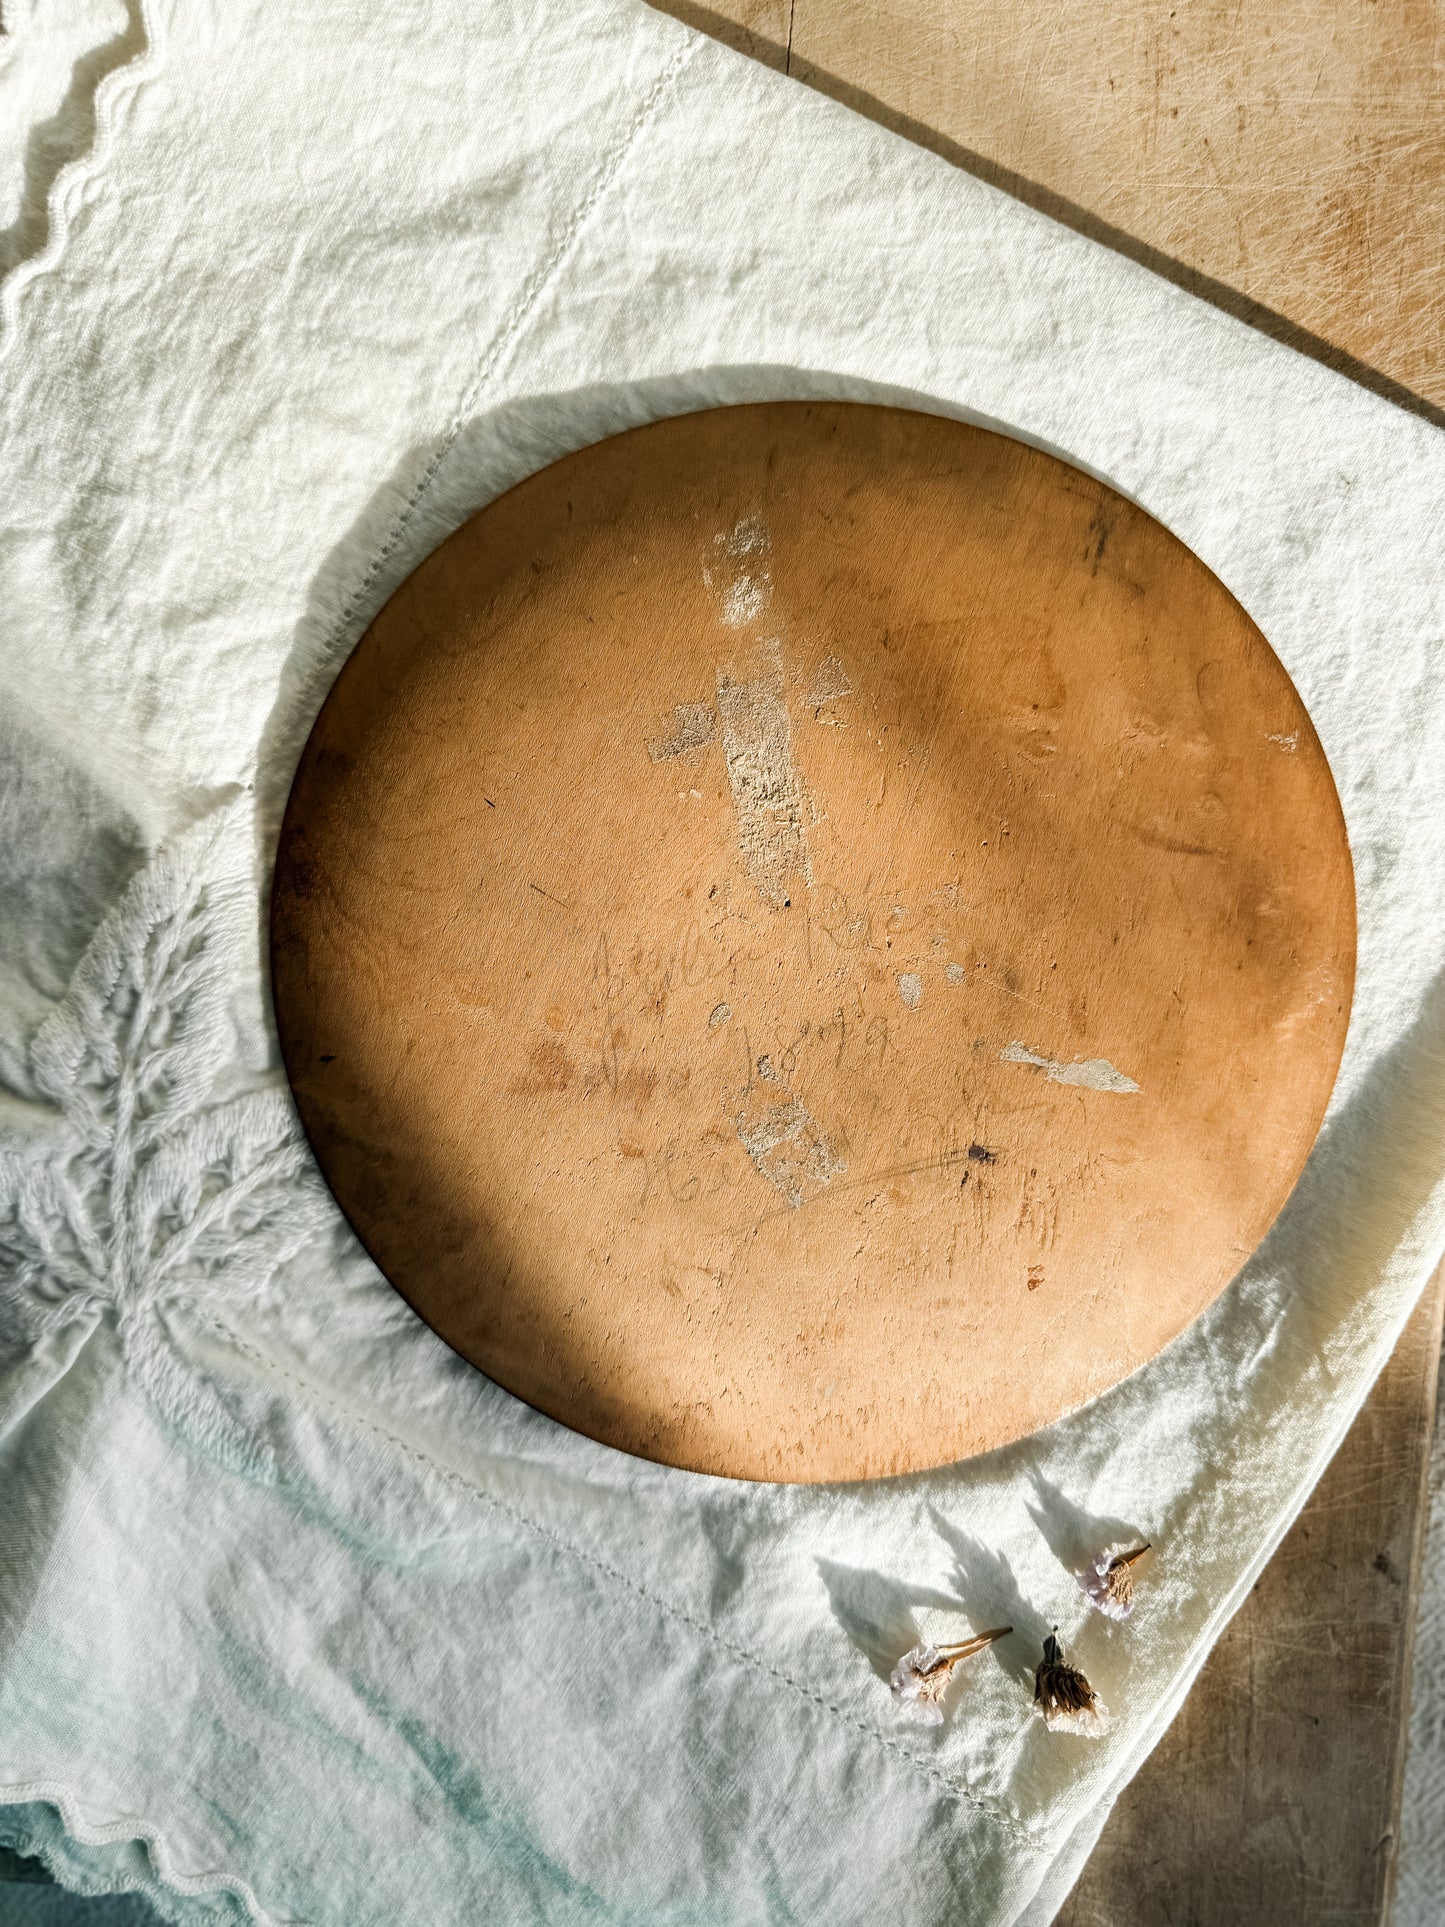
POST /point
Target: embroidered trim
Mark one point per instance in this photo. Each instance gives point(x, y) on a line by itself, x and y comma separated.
point(122, 1833)
point(67, 190)
point(137, 1184)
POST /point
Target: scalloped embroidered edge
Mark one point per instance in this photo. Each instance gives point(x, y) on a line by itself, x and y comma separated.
point(119, 1833)
point(68, 188)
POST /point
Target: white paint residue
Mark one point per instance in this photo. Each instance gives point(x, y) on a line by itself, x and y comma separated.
point(830, 682)
point(694, 727)
point(748, 537)
point(789, 1150)
point(955, 973)
point(767, 793)
point(749, 584)
point(751, 721)
point(719, 1016)
point(1289, 744)
point(744, 599)
point(1091, 1073)
point(910, 989)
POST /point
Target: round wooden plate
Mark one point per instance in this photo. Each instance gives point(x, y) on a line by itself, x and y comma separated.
point(811, 939)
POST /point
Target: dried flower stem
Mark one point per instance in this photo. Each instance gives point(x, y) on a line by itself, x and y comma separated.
point(921, 1677)
point(966, 1648)
point(1120, 1579)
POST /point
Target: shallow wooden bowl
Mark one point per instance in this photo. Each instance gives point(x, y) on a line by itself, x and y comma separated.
point(811, 939)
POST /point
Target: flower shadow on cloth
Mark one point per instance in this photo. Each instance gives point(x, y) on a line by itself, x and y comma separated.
point(1074, 1535)
point(876, 1611)
point(986, 1580)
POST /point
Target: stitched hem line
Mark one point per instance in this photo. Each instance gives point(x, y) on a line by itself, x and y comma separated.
point(1011, 1823)
point(506, 337)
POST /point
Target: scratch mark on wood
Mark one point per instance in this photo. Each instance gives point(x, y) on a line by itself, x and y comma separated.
point(956, 974)
point(830, 683)
point(886, 1174)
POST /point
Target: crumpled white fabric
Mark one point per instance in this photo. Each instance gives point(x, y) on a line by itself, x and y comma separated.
point(301, 1619)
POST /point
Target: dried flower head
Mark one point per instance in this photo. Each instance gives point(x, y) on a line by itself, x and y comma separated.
point(1064, 1697)
point(1109, 1582)
point(922, 1676)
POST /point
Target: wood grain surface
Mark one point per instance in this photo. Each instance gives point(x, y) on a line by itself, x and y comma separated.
point(811, 939)
point(1281, 157)
point(1275, 1795)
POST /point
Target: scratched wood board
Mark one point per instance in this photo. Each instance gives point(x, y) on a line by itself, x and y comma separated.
point(1281, 157)
point(811, 939)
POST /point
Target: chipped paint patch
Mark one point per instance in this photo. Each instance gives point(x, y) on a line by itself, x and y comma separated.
point(719, 1016)
point(743, 602)
point(788, 1149)
point(1090, 1073)
point(830, 682)
point(910, 989)
point(749, 536)
point(1289, 744)
point(955, 973)
point(750, 584)
point(694, 726)
point(768, 796)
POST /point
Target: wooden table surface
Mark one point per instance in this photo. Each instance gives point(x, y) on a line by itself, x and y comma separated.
point(1283, 159)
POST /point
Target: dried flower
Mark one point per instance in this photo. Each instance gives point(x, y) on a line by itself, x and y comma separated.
point(1064, 1697)
point(1109, 1582)
point(921, 1677)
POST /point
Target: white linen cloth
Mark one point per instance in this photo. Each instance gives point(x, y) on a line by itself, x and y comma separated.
point(301, 1619)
